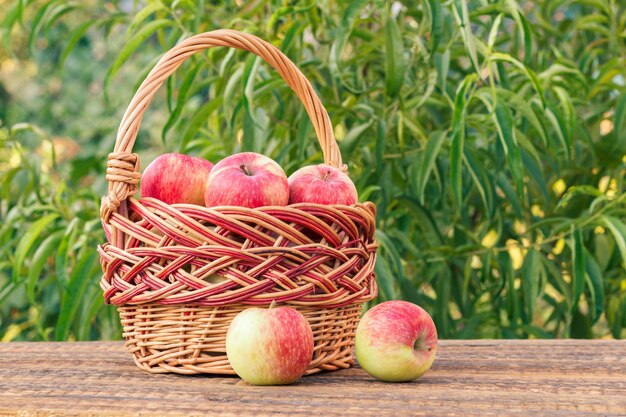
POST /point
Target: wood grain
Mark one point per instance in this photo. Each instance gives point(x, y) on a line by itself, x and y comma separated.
point(486, 378)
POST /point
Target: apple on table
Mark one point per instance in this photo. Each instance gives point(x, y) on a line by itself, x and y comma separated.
point(269, 346)
point(396, 341)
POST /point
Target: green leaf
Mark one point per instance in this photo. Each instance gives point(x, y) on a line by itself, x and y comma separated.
point(199, 118)
point(386, 279)
point(532, 277)
point(290, 36)
point(619, 126)
point(580, 326)
point(615, 316)
point(431, 153)
point(6, 290)
point(342, 34)
point(230, 92)
point(618, 229)
point(509, 193)
point(425, 220)
point(458, 136)
point(522, 26)
point(181, 98)
point(250, 70)
point(533, 167)
point(530, 74)
point(493, 33)
point(27, 241)
point(567, 111)
point(465, 24)
point(64, 251)
point(436, 23)
point(303, 134)
point(419, 101)
point(595, 285)
point(442, 306)
point(442, 64)
point(539, 333)
point(558, 71)
point(37, 22)
point(92, 305)
point(394, 73)
point(352, 139)
point(366, 194)
point(557, 124)
point(578, 273)
point(132, 45)
point(351, 13)
point(143, 14)
point(381, 139)
point(73, 40)
point(13, 16)
point(391, 253)
point(79, 280)
point(577, 190)
point(481, 180)
point(511, 295)
point(249, 129)
point(45, 250)
point(506, 134)
point(58, 12)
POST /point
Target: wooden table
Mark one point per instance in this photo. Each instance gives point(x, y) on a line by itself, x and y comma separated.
point(486, 378)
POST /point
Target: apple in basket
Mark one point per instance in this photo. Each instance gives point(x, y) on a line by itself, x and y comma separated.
point(247, 179)
point(269, 346)
point(176, 178)
point(396, 341)
point(321, 184)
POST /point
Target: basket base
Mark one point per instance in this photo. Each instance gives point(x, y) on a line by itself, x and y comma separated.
point(188, 339)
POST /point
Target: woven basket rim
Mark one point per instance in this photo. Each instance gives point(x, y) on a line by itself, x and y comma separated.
point(294, 266)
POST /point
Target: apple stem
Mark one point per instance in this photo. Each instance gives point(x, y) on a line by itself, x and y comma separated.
point(326, 175)
point(419, 344)
point(273, 304)
point(245, 170)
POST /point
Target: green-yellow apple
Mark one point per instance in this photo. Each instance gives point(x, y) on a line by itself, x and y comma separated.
point(247, 179)
point(396, 341)
point(269, 346)
point(321, 184)
point(176, 178)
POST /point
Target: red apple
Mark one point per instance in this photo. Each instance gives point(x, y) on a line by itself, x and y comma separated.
point(176, 178)
point(269, 346)
point(396, 341)
point(247, 179)
point(321, 184)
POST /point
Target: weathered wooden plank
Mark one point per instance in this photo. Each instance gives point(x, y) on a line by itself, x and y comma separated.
point(488, 378)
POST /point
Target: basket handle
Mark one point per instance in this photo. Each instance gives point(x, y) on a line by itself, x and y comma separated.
point(122, 165)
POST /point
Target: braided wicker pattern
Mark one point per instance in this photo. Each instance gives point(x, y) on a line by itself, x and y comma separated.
point(305, 254)
point(179, 273)
point(191, 339)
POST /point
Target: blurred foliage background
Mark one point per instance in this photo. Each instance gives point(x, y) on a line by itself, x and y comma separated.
point(491, 134)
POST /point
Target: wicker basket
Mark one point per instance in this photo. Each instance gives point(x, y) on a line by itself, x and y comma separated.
point(161, 261)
